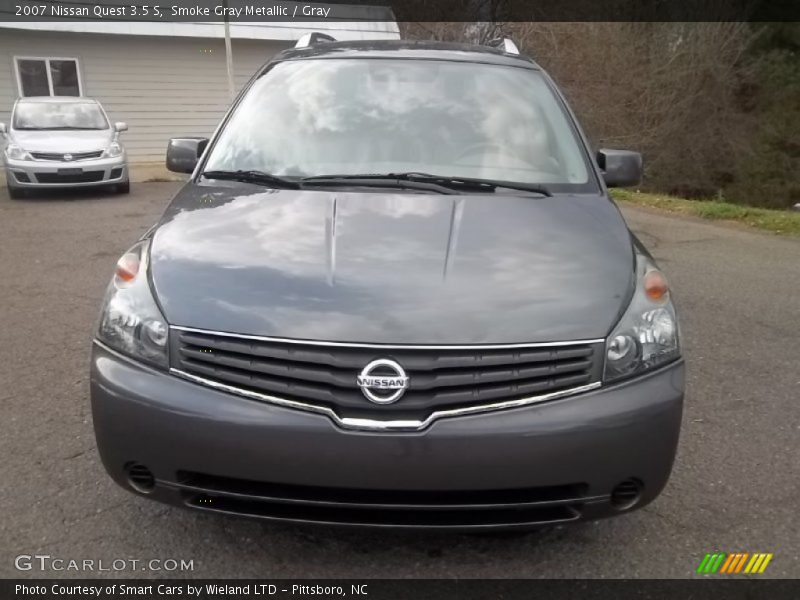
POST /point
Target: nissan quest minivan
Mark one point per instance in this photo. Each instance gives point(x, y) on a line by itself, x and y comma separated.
point(394, 292)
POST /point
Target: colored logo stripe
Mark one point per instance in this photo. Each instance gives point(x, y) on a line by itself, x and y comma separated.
point(758, 563)
point(721, 562)
point(729, 562)
point(736, 561)
point(711, 562)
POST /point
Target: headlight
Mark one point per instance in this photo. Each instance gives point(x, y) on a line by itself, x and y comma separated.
point(14, 152)
point(130, 320)
point(114, 149)
point(647, 334)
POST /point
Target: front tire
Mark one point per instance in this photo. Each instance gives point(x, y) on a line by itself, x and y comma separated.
point(123, 188)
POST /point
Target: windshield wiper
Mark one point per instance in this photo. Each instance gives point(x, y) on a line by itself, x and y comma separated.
point(467, 184)
point(382, 181)
point(256, 177)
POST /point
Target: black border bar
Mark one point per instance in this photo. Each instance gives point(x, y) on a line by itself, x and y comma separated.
point(385, 589)
point(401, 10)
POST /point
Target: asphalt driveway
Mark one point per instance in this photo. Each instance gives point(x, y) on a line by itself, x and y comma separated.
point(735, 486)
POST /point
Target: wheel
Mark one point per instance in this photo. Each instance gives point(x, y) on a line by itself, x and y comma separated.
point(123, 188)
point(15, 192)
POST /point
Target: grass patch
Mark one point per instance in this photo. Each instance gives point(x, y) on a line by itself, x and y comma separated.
point(777, 221)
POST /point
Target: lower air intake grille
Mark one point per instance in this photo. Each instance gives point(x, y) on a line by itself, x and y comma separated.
point(400, 508)
point(140, 478)
point(626, 494)
point(85, 177)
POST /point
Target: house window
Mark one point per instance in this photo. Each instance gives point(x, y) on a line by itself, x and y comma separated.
point(48, 77)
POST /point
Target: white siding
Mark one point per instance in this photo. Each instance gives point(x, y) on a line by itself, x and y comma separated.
point(271, 30)
point(161, 87)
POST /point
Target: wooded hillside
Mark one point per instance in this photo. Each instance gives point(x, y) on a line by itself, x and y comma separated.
point(714, 107)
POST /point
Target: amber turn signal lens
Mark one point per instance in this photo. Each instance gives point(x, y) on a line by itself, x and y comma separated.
point(655, 286)
point(127, 268)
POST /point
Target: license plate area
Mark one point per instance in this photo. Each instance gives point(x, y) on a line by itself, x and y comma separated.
point(70, 171)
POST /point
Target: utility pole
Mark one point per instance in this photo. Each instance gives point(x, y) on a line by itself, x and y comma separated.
point(228, 53)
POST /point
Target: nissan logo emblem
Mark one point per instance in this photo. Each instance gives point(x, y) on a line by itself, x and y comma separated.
point(383, 381)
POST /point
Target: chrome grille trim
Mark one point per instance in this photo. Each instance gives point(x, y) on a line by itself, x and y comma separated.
point(59, 156)
point(387, 346)
point(378, 425)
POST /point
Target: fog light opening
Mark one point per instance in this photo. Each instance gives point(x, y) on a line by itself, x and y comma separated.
point(626, 494)
point(140, 478)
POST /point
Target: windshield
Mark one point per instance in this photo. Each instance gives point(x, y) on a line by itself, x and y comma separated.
point(375, 116)
point(56, 115)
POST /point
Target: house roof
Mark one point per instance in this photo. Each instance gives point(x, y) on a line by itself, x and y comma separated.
point(341, 30)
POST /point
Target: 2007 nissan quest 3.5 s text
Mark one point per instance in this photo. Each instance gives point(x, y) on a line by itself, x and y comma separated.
point(394, 292)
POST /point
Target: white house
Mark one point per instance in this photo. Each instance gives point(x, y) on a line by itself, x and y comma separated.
point(162, 79)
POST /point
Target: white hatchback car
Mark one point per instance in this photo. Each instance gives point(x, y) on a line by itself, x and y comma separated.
point(62, 141)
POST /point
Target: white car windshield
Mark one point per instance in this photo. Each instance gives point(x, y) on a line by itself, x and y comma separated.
point(375, 116)
point(59, 115)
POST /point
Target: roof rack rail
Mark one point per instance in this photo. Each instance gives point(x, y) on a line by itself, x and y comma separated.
point(505, 44)
point(309, 39)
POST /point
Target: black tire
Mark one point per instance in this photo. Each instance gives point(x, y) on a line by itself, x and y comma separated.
point(15, 193)
point(123, 188)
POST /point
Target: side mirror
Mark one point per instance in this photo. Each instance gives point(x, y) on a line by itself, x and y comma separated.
point(3, 130)
point(620, 167)
point(183, 153)
point(120, 126)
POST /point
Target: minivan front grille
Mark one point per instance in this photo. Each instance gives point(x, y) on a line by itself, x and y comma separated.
point(440, 378)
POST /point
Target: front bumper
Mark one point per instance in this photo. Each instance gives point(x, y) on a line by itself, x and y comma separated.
point(40, 174)
point(547, 463)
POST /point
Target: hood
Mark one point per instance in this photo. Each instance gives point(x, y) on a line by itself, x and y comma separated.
point(63, 141)
point(398, 268)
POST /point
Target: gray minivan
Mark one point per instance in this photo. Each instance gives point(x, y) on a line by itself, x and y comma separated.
point(394, 292)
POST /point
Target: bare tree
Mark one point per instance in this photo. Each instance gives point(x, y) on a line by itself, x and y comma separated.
point(669, 90)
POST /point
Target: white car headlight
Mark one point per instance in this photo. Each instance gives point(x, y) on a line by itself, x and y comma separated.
point(130, 320)
point(647, 334)
point(15, 152)
point(114, 149)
